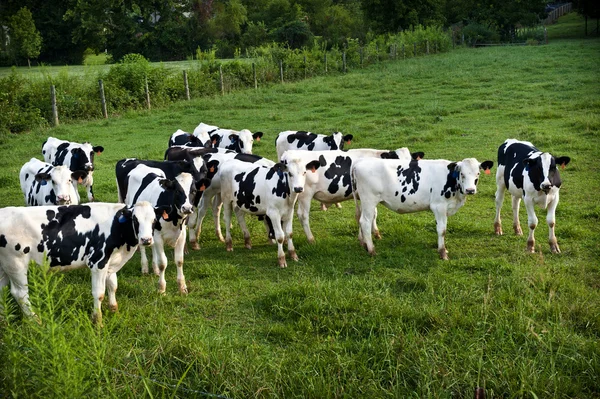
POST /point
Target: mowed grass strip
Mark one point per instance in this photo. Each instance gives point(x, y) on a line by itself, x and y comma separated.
point(340, 323)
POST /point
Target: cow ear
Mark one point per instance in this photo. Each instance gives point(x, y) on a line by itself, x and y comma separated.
point(162, 211)
point(214, 139)
point(348, 138)
point(562, 161)
point(313, 166)
point(279, 167)
point(79, 175)
point(417, 155)
point(233, 137)
point(166, 183)
point(125, 215)
point(203, 184)
point(452, 167)
point(98, 149)
point(487, 166)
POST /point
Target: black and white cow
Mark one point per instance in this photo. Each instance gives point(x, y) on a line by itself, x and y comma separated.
point(332, 182)
point(139, 182)
point(412, 186)
point(264, 191)
point(99, 236)
point(44, 184)
point(75, 156)
point(181, 138)
point(531, 175)
point(203, 131)
point(301, 140)
point(238, 141)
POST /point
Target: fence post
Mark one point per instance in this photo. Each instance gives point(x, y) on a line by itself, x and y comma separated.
point(361, 56)
point(344, 61)
point(54, 109)
point(403, 52)
point(325, 61)
point(462, 39)
point(545, 35)
point(185, 84)
point(415, 49)
point(377, 51)
point(102, 98)
point(281, 70)
point(147, 94)
point(221, 80)
point(427, 47)
point(254, 75)
point(304, 67)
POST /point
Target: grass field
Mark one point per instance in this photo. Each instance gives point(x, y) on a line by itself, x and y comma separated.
point(340, 323)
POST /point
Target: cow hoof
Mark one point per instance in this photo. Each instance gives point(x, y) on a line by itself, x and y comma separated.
point(377, 235)
point(498, 229)
point(311, 240)
point(443, 254)
point(518, 230)
point(282, 263)
point(114, 308)
point(145, 271)
point(195, 246)
point(338, 205)
point(555, 249)
point(530, 248)
point(323, 207)
point(183, 290)
point(293, 256)
point(229, 246)
point(248, 243)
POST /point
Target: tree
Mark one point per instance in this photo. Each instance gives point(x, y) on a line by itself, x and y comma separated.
point(25, 39)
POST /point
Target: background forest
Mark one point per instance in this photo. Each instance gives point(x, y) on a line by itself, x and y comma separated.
point(64, 31)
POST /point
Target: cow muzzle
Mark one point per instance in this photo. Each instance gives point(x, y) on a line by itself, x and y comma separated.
point(470, 191)
point(546, 188)
point(298, 189)
point(63, 199)
point(146, 241)
point(186, 210)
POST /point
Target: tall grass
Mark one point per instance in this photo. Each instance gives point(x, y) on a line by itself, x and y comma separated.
point(340, 323)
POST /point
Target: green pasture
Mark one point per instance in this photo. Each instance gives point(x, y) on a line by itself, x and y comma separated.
point(339, 323)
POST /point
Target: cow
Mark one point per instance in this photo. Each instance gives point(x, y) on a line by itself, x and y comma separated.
point(203, 131)
point(44, 184)
point(214, 162)
point(137, 181)
point(531, 175)
point(301, 140)
point(181, 138)
point(238, 141)
point(412, 186)
point(75, 156)
point(99, 236)
point(332, 182)
point(264, 191)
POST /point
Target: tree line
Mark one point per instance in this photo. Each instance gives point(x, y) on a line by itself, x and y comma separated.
point(61, 31)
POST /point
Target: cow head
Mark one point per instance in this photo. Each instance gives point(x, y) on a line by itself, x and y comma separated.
point(60, 180)
point(543, 172)
point(82, 157)
point(296, 169)
point(143, 217)
point(246, 139)
point(466, 174)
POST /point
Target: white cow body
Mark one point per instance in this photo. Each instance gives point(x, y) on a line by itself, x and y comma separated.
point(413, 186)
point(301, 140)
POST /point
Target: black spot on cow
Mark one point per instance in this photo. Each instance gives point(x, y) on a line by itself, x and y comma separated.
point(338, 174)
point(18, 247)
point(3, 241)
point(409, 178)
point(451, 186)
point(245, 195)
point(303, 139)
point(281, 185)
point(26, 250)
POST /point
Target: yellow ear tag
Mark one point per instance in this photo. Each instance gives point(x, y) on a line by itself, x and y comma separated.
point(313, 169)
point(202, 187)
point(258, 139)
point(212, 169)
point(165, 215)
point(487, 172)
point(79, 180)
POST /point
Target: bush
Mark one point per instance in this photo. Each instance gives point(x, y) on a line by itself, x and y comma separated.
point(476, 33)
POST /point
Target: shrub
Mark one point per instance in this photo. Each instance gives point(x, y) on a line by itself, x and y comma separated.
point(476, 33)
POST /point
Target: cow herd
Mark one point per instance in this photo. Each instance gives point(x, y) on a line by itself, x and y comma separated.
point(159, 201)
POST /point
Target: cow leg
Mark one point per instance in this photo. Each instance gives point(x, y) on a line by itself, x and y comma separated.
point(500, 190)
point(303, 215)
point(99, 277)
point(89, 189)
point(287, 229)
point(441, 219)
point(367, 215)
point(376, 232)
point(217, 203)
point(111, 287)
point(241, 218)
point(179, 253)
point(516, 202)
point(18, 285)
point(279, 237)
point(227, 208)
point(144, 259)
point(551, 220)
point(159, 262)
point(532, 221)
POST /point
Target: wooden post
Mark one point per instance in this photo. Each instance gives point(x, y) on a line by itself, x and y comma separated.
point(304, 67)
point(415, 49)
point(403, 52)
point(361, 56)
point(377, 51)
point(281, 70)
point(462, 39)
point(185, 85)
point(545, 35)
point(221, 80)
point(147, 94)
point(54, 108)
point(103, 99)
point(344, 61)
point(479, 393)
point(254, 75)
point(325, 61)
point(427, 47)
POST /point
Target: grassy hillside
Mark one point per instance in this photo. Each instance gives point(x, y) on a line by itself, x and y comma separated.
point(340, 323)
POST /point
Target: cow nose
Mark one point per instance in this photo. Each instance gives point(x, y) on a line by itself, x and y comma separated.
point(146, 241)
point(470, 191)
point(187, 209)
point(89, 168)
point(546, 187)
point(298, 189)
